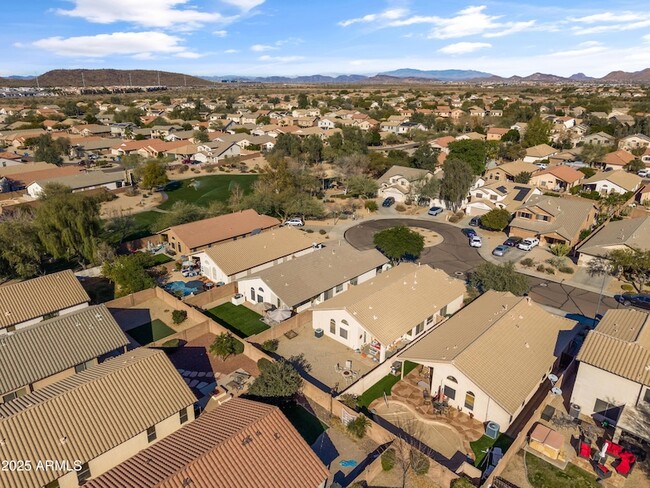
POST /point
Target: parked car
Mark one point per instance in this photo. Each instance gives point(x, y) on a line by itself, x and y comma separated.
point(295, 222)
point(435, 211)
point(469, 232)
point(424, 201)
point(644, 173)
point(512, 241)
point(475, 241)
point(188, 273)
point(501, 250)
point(475, 221)
point(388, 202)
point(528, 244)
point(638, 300)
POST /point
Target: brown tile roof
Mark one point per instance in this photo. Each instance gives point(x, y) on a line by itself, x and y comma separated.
point(516, 167)
point(618, 158)
point(502, 343)
point(49, 347)
point(395, 301)
point(240, 443)
point(620, 345)
point(243, 254)
point(540, 151)
point(88, 414)
point(221, 228)
point(307, 276)
point(627, 181)
point(40, 296)
point(625, 233)
point(564, 173)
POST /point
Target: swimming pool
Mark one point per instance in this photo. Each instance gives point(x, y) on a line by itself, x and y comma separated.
point(184, 287)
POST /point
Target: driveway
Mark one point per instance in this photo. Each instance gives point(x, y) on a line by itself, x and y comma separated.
point(452, 255)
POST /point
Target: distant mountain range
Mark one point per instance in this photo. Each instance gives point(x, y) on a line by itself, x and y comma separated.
point(115, 77)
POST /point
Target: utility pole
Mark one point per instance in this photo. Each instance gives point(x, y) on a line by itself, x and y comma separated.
point(130, 81)
point(83, 81)
point(158, 78)
point(37, 85)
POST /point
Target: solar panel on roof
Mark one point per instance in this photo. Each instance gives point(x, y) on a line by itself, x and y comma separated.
point(502, 189)
point(522, 192)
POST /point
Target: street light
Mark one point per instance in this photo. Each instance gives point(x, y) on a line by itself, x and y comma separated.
point(599, 267)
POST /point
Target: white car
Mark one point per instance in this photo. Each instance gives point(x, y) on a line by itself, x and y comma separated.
point(475, 241)
point(644, 173)
point(296, 222)
point(528, 243)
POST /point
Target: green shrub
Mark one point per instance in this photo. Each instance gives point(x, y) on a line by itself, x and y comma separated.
point(496, 219)
point(263, 363)
point(454, 218)
point(527, 262)
point(371, 205)
point(179, 316)
point(560, 249)
point(400, 207)
point(178, 266)
point(541, 268)
point(557, 262)
point(183, 168)
point(358, 426)
point(349, 400)
point(270, 345)
point(566, 269)
point(627, 287)
point(388, 460)
point(309, 231)
point(322, 232)
point(171, 343)
point(550, 270)
point(461, 483)
point(419, 462)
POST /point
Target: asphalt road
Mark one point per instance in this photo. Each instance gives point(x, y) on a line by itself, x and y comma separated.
point(456, 258)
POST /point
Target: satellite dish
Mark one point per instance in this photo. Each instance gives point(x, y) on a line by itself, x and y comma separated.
point(552, 378)
point(556, 391)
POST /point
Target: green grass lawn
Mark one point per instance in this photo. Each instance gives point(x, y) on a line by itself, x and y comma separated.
point(238, 319)
point(482, 444)
point(307, 425)
point(153, 331)
point(158, 259)
point(544, 475)
point(205, 189)
point(384, 385)
point(142, 225)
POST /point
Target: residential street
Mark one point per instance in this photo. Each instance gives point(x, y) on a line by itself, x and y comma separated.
point(454, 256)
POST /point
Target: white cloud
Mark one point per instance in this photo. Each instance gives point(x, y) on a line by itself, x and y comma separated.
point(280, 59)
point(464, 47)
point(189, 55)
point(117, 43)
point(618, 17)
point(599, 29)
point(260, 48)
point(610, 22)
point(220, 33)
point(148, 13)
point(386, 15)
point(244, 5)
point(583, 49)
point(512, 28)
point(231, 51)
point(646, 38)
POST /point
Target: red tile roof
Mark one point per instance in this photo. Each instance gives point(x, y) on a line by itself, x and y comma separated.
point(239, 443)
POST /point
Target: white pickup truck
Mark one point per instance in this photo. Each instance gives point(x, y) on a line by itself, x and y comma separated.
point(528, 243)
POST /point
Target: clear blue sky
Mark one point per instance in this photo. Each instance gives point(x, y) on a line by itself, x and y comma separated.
point(297, 37)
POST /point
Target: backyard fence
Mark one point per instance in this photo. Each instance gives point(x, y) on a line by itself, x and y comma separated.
point(292, 323)
point(212, 295)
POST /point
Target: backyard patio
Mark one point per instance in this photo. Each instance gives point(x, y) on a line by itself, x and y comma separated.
point(327, 357)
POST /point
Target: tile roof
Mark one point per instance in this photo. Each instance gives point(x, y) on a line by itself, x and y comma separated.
point(516, 167)
point(564, 173)
point(83, 180)
point(307, 276)
point(224, 227)
point(40, 296)
point(491, 340)
point(540, 151)
point(239, 443)
point(411, 174)
point(570, 215)
point(88, 414)
point(395, 301)
point(618, 158)
point(236, 256)
point(614, 235)
point(49, 347)
point(620, 344)
point(627, 181)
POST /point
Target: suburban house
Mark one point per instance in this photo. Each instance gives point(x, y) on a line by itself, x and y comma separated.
point(557, 178)
point(442, 143)
point(490, 358)
point(620, 182)
point(395, 307)
point(643, 195)
point(31, 301)
point(620, 234)
point(539, 152)
point(234, 260)
point(239, 443)
point(615, 160)
point(599, 139)
point(40, 354)
point(496, 133)
point(111, 180)
point(634, 142)
point(194, 236)
point(613, 379)
point(498, 194)
point(509, 171)
point(553, 220)
point(402, 183)
point(313, 278)
point(97, 418)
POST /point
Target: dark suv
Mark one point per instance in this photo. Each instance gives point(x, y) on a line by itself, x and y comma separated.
point(388, 202)
point(512, 241)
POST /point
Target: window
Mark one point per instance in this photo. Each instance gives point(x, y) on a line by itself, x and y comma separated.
point(50, 315)
point(182, 415)
point(525, 215)
point(343, 333)
point(479, 195)
point(469, 400)
point(83, 474)
point(83, 366)
point(332, 326)
point(493, 198)
point(419, 328)
point(339, 288)
point(354, 281)
point(11, 328)
point(450, 392)
point(151, 433)
point(430, 320)
point(452, 379)
point(543, 217)
point(607, 410)
point(646, 395)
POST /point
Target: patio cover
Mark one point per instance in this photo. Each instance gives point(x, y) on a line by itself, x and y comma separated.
point(279, 314)
point(636, 421)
